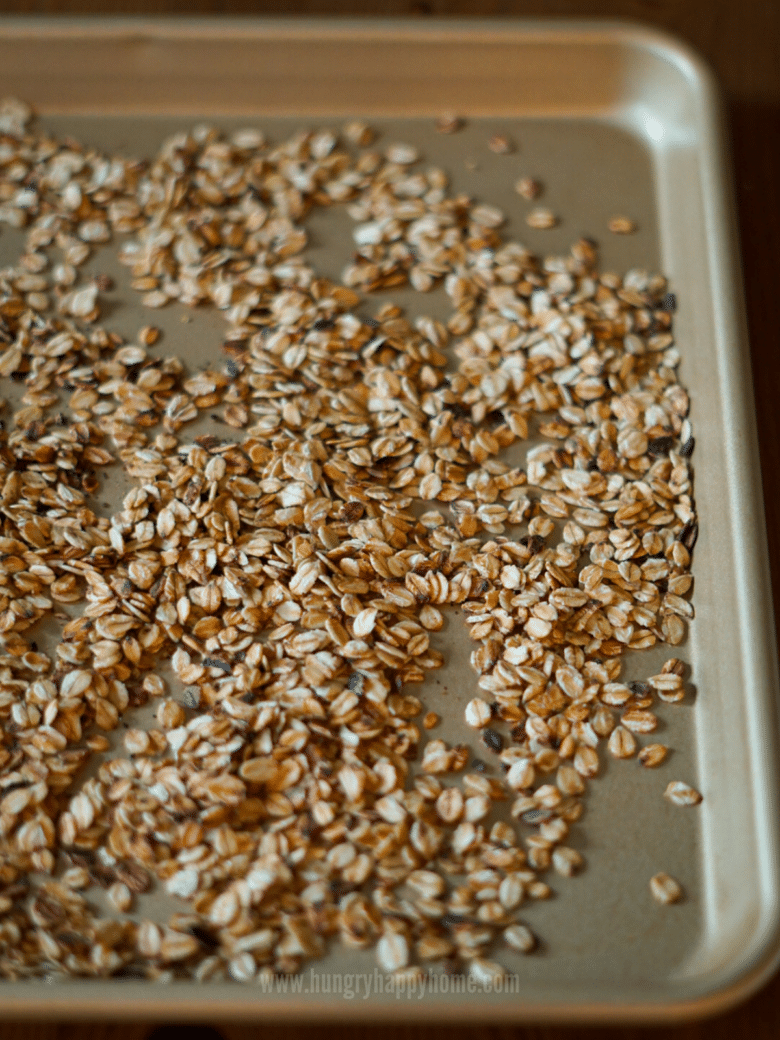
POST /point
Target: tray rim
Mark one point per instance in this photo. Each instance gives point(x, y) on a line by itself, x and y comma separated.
point(760, 956)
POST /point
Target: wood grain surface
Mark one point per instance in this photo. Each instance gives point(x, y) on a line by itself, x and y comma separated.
point(741, 40)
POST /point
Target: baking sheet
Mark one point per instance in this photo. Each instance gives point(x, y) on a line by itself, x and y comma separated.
point(612, 120)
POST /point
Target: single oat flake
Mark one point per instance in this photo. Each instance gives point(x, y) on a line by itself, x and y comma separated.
point(622, 226)
point(501, 144)
point(679, 793)
point(449, 123)
point(665, 889)
point(528, 188)
point(542, 219)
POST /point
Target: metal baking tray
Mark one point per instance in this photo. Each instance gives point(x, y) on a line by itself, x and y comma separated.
point(613, 118)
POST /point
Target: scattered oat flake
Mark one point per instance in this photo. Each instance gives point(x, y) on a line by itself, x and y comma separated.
point(653, 755)
point(403, 154)
point(679, 793)
point(528, 188)
point(500, 144)
point(542, 219)
point(520, 937)
point(486, 973)
point(478, 713)
point(392, 951)
point(665, 889)
point(359, 133)
point(448, 123)
point(621, 226)
point(184, 883)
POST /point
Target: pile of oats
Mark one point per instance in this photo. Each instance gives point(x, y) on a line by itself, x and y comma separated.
point(289, 579)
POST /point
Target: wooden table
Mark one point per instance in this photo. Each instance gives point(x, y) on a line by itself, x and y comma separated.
point(741, 39)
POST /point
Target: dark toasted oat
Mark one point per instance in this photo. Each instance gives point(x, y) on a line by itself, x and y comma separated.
point(492, 739)
point(660, 446)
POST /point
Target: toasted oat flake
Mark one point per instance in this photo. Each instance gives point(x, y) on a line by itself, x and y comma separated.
point(450, 804)
point(403, 154)
point(478, 713)
point(486, 973)
point(392, 951)
point(541, 219)
point(528, 188)
point(652, 755)
point(448, 123)
point(520, 937)
point(359, 133)
point(500, 144)
point(665, 889)
point(622, 743)
point(120, 897)
point(621, 226)
point(679, 793)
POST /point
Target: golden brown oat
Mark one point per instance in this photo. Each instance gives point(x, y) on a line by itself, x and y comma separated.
point(621, 226)
point(541, 219)
point(448, 123)
point(679, 793)
point(652, 755)
point(500, 144)
point(665, 889)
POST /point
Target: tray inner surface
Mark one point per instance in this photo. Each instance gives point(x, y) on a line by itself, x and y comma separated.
point(602, 925)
